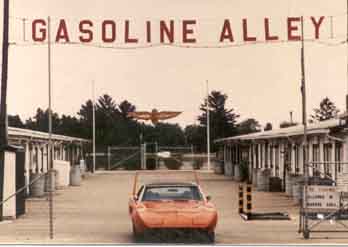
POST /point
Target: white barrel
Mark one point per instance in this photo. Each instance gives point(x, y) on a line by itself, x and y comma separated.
point(255, 176)
point(83, 167)
point(50, 183)
point(75, 175)
point(288, 184)
point(56, 179)
point(263, 179)
point(297, 188)
point(37, 189)
point(228, 168)
point(218, 168)
point(297, 192)
point(237, 176)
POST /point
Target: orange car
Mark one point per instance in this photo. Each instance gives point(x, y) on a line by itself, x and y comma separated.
point(172, 211)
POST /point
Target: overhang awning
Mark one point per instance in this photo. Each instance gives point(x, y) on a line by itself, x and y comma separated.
point(316, 128)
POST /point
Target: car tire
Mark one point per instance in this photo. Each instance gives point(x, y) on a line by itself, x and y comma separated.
point(136, 236)
point(211, 237)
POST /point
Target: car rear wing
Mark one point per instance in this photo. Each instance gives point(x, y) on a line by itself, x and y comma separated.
point(163, 174)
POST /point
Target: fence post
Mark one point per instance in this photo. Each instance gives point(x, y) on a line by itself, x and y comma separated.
point(109, 158)
point(144, 164)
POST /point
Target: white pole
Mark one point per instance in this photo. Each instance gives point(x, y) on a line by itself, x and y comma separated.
point(347, 61)
point(208, 128)
point(93, 92)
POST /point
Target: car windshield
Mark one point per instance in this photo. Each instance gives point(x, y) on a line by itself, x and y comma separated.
point(176, 193)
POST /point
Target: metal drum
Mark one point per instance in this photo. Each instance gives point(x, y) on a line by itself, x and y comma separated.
point(288, 184)
point(275, 184)
point(263, 180)
point(255, 171)
point(237, 176)
point(83, 167)
point(75, 175)
point(37, 189)
point(297, 192)
point(50, 183)
point(56, 179)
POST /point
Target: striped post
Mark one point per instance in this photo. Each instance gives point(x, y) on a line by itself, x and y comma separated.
point(240, 199)
point(248, 199)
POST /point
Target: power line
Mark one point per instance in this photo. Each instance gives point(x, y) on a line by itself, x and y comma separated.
point(179, 45)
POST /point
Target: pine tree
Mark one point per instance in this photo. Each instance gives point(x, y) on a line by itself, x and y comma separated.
point(326, 110)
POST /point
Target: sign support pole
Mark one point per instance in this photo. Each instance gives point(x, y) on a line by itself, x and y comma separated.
point(304, 122)
point(50, 172)
point(347, 63)
point(3, 106)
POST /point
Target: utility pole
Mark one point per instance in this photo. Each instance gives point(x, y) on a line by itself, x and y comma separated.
point(3, 107)
point(304, 122)
point(50, 172)
point(93, 92)
point(4, 73)
point(291, 120)
point(208, 128)
point(347, 64)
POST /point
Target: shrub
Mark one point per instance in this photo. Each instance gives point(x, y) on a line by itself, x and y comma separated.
point(198, 163)
point(150, 163)
point(173, 163)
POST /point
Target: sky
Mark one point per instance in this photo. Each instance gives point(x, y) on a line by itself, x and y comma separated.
point(262, 81)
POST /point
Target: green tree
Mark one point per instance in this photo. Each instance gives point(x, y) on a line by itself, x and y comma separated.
point(125, 108)
point(196, 136)
point(222, 120)
point(106, 116)
point(247, 126)
point(327, 110)
point(86, 119)
point(40, 121)
point(15, 121)
point(268, 127)
point(70, 126)
point(286, 124)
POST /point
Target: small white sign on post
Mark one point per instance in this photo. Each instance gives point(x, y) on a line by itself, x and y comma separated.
point(322, 197)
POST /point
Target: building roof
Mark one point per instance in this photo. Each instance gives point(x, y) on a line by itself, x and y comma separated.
point(26, 133)
point(315, 128)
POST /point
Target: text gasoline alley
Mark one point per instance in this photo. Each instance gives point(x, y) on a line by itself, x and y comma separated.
point(170, 31)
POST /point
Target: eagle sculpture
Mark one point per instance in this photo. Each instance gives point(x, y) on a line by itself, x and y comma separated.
point(154, 115)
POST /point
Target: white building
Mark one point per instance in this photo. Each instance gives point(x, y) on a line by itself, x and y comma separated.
point(66, 152)
point(279, 153)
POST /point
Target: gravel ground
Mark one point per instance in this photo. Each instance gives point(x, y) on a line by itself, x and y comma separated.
point(96, 212)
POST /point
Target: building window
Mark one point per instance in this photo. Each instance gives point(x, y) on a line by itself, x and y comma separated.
point(316, 159)
point(327, 159)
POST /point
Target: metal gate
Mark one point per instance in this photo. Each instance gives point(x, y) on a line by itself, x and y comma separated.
point(124, 157)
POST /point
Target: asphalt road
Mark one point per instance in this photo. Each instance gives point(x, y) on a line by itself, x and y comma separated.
point(96, 212)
